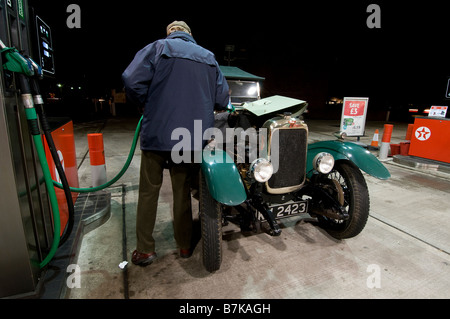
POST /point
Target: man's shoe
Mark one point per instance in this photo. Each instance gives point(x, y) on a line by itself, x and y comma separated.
point(185, 253)
point(142, 259)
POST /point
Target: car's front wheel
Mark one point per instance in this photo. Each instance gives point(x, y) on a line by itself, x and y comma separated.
point(211, 227)
point(350, 189)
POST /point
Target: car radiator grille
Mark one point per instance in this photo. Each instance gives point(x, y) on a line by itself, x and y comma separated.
point(292, 145)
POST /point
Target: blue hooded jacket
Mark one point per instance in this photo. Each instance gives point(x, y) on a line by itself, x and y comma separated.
point(178, 83)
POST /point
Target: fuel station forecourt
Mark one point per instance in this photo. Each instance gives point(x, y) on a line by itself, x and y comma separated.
point(264, 166)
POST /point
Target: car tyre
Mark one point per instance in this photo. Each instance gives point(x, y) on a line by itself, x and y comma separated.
point(211, 228)
point(356, 201)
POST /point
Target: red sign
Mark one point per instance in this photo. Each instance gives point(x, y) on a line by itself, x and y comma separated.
point(354, 108)
point(353, 116)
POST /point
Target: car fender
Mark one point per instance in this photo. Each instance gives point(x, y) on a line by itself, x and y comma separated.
point(355, 153)
point(223, 178)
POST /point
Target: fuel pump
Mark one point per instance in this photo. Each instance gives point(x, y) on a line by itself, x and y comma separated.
point(25, 68)
point(30, 224)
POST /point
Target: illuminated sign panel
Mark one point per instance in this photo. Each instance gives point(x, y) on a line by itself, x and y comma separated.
point(44, 38)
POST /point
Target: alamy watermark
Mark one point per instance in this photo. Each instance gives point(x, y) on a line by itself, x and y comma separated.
point(243, 146)
point(374, 19)
point(374, 279)
point(73, 21)
point(74, 278)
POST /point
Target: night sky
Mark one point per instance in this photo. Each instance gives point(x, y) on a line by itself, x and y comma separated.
point(312, 50)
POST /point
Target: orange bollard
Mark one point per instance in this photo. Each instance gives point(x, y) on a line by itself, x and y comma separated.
point(409, 132)
point(387, 133)
point(97, 159)
point(404, 146)
point(385, 141)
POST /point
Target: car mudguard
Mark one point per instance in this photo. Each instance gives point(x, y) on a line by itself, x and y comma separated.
point(341, 150)
point(223, 178)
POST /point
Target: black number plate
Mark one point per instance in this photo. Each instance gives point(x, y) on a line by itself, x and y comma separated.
point(286, 210)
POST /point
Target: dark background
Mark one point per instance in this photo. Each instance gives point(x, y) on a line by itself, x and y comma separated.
point(311, 50)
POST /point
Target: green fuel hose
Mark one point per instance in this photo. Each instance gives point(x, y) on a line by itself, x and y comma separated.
point(118, 176)
point(35, 132)
point(32, 118)
point(23, 67)
point(34, 128)
point(27, 69)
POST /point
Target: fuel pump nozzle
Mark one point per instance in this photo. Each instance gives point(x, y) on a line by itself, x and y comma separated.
point(26, 68)
point(15, 62)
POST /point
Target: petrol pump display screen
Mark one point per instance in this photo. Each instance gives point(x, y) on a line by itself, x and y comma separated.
point(45, 46)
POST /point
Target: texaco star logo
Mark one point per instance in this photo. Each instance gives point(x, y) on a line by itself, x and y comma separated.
point(423, 133)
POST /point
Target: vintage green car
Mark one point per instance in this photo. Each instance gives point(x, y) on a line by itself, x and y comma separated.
point(262, 169)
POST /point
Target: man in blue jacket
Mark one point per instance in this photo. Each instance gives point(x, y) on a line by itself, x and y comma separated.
point(179, 84)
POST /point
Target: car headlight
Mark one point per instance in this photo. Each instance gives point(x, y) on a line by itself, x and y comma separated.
point(261, 170)
point(323, 162)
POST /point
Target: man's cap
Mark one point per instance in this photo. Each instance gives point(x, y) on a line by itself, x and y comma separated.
point(177, 25)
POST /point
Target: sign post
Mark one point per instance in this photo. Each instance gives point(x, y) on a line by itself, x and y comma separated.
point(353, 118)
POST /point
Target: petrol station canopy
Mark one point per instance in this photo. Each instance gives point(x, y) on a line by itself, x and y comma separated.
point(232, 72)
